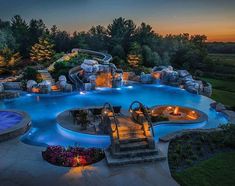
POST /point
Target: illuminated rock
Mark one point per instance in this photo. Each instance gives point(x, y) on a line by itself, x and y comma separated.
point(30, 84)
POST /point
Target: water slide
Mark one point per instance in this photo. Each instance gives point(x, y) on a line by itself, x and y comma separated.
point(73, 72)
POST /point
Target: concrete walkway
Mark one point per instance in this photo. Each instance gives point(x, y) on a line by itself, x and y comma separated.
point(22, 164)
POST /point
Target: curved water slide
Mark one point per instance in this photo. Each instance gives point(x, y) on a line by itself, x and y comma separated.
point(73, 72)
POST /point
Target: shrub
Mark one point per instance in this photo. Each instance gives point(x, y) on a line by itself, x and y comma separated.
point(30, 73)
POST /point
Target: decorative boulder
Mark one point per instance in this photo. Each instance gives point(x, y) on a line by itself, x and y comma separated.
point(192, 89)
point(183, 73)
point(68, 88)
point(30, 84)
point(173, 76)
point(207, 90)
point(158, 68)
point(63, 78)
point(146, 78)
point(62, 84)
point(1, 87)
point(45, 86)
point(90, 65)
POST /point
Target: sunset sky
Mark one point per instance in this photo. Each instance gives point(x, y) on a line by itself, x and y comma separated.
point(214, 18)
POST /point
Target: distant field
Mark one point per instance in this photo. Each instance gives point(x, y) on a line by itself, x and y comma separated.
point(225, 59)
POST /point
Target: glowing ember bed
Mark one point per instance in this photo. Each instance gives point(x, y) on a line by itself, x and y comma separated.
point(43, 110)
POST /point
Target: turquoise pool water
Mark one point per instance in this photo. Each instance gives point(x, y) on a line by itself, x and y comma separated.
point(43, 110)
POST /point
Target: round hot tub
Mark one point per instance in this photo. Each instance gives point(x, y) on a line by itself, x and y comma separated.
point(13, 123)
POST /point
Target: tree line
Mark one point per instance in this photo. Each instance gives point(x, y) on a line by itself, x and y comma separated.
point(120, 38)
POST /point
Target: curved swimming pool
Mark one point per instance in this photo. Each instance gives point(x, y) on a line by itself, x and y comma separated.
point(43, 110)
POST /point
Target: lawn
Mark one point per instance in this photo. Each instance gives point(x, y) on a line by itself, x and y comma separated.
point(223, 91)
point(225, 59)
point(218, 170)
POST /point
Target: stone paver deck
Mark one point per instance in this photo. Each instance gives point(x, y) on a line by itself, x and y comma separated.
point(22, 164)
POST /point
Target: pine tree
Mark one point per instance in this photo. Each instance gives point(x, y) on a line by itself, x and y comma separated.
point(42, 51)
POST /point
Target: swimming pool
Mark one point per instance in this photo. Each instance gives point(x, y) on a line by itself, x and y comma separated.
point(43, 110)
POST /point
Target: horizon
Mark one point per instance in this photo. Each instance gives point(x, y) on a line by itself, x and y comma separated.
point(211, 18)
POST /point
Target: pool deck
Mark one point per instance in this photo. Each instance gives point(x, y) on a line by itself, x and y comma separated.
point(22, 164)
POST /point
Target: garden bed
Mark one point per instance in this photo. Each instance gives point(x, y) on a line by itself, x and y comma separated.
point(72, 156)
point(189, 149)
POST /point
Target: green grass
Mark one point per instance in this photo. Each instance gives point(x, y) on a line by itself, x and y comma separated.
point(225, 59)
point(216, 171)
point(223, 91)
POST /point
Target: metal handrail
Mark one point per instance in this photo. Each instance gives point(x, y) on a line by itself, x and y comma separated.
point(110, 107)
point(146, 114)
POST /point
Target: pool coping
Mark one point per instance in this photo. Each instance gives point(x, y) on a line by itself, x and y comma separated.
point(18, 129)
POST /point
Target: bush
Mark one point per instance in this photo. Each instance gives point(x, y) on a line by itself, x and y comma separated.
point(30, 73)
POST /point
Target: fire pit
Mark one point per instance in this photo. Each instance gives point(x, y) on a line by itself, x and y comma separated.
point(178, 114)
point(173, 113)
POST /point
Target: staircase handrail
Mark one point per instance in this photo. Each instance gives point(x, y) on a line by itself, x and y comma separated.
point(145, 113)
point(110, 108)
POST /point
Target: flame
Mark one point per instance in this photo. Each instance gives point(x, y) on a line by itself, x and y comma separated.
point(176, 110)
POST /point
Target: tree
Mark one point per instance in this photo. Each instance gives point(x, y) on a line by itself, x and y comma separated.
point(6, 39)
point(20, 31)
point(36, 30)
point(42, 51)
point(121, 32)
point(8, 58)
point(150, 58)
point(146, 36)
point(79, 40)
point(166, 58)
point(97, 38)
point(118, 51)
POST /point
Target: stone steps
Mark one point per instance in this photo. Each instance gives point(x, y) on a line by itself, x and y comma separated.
point(131, 160)
point(131, 133)
point(133, 146)
point(130, 139)
point(135, 153)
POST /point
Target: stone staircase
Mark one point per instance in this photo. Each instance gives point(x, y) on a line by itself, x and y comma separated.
point(45, 75)
point(135, 143)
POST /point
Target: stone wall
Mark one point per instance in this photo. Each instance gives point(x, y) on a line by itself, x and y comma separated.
point(12, 86)
point(178, 78)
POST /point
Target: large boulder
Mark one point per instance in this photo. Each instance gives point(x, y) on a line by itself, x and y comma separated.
point(62, 78)
point(183, 73)
point(207, 90)
point(45, 87)
point(68, 88)
point(90, 65)
point(30, 84)
point(158, 68)
point(146, 78)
